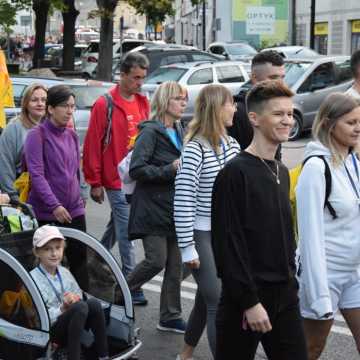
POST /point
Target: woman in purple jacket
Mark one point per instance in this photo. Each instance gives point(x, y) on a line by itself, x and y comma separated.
point(52, 157)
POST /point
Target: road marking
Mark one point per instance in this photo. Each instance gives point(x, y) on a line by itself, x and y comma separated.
point(186, 284)
point(191, 296)
point(157, 288)
point(341, 330)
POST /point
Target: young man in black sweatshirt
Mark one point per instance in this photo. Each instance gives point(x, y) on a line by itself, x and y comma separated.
point(266, 65)
point(253, 241)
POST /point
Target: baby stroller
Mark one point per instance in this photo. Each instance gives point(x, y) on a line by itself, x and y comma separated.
point(24, 319)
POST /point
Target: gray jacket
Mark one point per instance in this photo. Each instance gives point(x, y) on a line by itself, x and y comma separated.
point(11, 145)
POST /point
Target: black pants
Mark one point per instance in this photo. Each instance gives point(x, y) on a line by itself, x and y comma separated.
point(75, 252)
point(286, 340)
point(70, 324)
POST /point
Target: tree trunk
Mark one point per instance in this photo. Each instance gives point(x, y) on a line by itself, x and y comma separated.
point(69, 18)
point(104, 69)
point(41, 9)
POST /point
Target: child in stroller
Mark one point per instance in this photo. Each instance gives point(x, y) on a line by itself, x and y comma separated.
point(69, 312)
point(4, 198)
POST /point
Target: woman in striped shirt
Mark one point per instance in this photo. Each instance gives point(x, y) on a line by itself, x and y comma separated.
point(207, 150)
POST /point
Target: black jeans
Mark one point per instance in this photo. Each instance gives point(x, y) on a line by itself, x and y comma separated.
point(286, 340)
point(70, 324)
point(75, 252)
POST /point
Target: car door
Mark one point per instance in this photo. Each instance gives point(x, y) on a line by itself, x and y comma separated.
point(232, 76)
point(309, 96)
point(194, 83)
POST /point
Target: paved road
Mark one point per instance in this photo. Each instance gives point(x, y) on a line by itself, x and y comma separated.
point(164, 346)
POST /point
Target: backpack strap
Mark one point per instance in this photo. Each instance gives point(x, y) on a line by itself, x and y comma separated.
point(109, 105)
point(328, 184)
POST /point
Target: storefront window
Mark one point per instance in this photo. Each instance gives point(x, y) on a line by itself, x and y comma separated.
point(355, 35)
point(321, 38)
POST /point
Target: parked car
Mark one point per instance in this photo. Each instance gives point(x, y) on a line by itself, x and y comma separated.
point(194, 76)
point(168, 54)
point(294, 52)
point(86, 93)
point(91, 54)
point(311, 80)
point(232, 50)
point(54, 57)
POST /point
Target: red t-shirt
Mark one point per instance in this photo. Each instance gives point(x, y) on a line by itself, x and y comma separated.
point(133, 117)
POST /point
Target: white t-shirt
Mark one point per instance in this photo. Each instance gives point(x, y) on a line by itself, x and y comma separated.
point(354, 93)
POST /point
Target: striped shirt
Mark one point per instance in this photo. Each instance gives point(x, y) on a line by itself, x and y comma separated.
point(198, 169)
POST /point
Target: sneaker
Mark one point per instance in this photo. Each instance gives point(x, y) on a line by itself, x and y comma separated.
point(177, 326)
point(180, 358)
point(138, 298)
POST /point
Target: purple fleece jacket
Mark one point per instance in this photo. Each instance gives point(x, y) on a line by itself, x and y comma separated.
point(52, 157)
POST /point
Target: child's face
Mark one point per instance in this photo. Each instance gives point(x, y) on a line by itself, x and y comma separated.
point(51, 254)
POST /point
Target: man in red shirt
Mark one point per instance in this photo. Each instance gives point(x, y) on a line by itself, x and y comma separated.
point(101, 158)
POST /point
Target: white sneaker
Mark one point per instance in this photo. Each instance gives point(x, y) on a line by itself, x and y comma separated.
point(179, 358)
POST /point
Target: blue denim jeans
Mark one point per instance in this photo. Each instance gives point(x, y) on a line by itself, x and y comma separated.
point(117, 229)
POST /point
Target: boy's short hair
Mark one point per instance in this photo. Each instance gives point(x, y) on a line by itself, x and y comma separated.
point(355, 63)
point(267, 57)
point(264, 91)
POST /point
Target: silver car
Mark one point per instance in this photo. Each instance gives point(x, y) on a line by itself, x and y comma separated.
point(194, 76)
point(312, 79)
point(294, 51)
point(86, 93)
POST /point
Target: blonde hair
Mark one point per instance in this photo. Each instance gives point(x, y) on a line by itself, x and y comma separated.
point(24, 114)
point(331, 110)
point(160, 100)
point(208, 119)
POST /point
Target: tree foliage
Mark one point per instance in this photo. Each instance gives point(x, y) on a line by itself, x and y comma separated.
point(8, 10)
point(154, 10)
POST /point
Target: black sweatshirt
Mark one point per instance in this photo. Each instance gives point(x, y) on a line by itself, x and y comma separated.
point(252, 233)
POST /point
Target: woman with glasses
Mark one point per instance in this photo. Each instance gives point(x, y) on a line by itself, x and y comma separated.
point(52, 156)
point(33, 106)
point(154, 163)
point(208, 148)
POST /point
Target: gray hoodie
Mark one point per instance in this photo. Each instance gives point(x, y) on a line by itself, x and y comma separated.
point(11, 146)
point(326, 244)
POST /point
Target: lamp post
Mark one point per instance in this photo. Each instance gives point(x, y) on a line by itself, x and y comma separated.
point(204, 24)
point(312, 25)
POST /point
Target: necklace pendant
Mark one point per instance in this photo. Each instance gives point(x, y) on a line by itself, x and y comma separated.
point(278, 181)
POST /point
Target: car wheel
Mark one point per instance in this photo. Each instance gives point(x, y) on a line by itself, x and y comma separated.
point(297, 128)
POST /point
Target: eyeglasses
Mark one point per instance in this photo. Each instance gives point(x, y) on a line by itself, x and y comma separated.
point(71, 107)
point(180, 98)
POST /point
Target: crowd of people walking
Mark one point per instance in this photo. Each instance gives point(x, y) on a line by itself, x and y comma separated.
point(210, 199)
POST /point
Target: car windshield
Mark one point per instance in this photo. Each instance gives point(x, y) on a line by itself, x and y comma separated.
point(240, 49)
point(85, 96)
point(165, 74)
point(294, 70)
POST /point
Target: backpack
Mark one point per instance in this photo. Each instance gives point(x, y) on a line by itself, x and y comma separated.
point(294, 176)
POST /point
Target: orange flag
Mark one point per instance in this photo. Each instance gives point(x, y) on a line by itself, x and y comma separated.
point(6, 91)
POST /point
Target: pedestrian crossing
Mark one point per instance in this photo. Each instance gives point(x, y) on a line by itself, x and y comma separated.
point(188, 290)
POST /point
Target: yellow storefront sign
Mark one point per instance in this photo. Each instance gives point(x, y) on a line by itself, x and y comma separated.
point(321, 28)
point(355, 26)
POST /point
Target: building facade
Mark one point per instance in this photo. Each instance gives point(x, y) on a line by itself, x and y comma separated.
point(259, 22)
point(337, 26)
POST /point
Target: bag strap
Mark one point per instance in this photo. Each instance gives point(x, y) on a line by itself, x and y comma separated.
point(328, 184)
point(109, 105)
